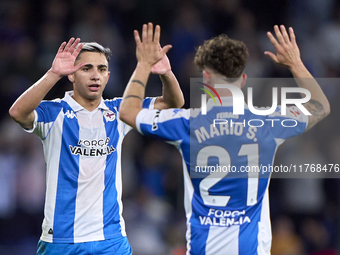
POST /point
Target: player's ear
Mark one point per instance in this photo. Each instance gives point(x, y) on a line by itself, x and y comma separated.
point(244, 79)
point(207, 76)
point(70, 77)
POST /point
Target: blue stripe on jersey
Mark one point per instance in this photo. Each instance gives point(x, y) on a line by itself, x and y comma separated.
point(63, 226)
point(111, 216)
point(47, 114)
point(198, 240)
point(110, 205)
point(48, 111)
point(147, 102)
point(248, 232)
point(117, 101)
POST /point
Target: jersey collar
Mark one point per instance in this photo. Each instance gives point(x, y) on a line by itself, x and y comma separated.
point(77, 107)
point(226, 101)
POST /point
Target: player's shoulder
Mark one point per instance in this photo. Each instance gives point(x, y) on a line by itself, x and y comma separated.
point(172, 116)
point(194, 112)
point(48, 110)
point(113, 103)
point(54, 103)
point(289, 112)
point(115, 100)
point(174, 113)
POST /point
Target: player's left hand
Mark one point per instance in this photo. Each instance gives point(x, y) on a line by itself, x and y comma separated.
point(287, 51)
point(161, 67)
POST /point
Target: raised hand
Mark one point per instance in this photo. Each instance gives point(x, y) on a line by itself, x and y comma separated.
point(147, 49)
point(287, 51)
point(63, 63)
point(162, 66)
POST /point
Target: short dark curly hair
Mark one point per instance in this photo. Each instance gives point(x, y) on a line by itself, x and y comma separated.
point(224, 55)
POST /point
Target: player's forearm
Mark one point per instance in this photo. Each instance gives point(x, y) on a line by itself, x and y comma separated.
point(305, 80)
point(134, 94)
point(318, 105)
point(22, 109)
point(172, 94)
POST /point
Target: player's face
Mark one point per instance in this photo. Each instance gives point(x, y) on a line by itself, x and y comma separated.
point(89, 81)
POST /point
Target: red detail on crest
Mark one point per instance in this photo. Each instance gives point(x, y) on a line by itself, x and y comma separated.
point(295, 112)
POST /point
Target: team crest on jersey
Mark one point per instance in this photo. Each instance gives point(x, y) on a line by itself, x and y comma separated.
point(109, 115)
point(295, 111)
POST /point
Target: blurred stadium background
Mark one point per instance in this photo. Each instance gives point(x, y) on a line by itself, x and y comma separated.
point(305, 212)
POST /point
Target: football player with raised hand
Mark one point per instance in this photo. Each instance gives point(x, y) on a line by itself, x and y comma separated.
point(82, 138)
point(227, 211)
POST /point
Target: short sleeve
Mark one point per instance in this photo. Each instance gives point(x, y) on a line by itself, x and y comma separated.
point(168, 125)
point(292, 124)
point(149, 102)
point(31, 130)
point(45, 116)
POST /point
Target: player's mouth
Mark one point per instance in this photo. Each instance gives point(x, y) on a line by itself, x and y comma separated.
point(94, 87)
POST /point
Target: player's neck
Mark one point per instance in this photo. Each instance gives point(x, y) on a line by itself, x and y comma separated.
point(222, 92)
point(88, 104)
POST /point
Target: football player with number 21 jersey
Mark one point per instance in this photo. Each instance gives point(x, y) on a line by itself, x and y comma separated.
point(82, 138)
point(227, 211)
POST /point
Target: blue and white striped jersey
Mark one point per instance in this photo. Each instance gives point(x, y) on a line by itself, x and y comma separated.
point(83, 156)
point(226, 172)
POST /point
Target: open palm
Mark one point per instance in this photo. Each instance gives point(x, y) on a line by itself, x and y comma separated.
point(148, 49)
point(287, 51)
point(162, 66)
point(63, 63)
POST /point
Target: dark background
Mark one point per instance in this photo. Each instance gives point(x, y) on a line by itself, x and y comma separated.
point(305, 211)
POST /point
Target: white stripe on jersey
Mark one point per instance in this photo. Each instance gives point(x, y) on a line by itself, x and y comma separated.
point(222, 241)
point(279, 141)
point(122, 129)
point(188, 194)
point(89, 199)
point(52, 162)
point(152, 102)
point(264, 236)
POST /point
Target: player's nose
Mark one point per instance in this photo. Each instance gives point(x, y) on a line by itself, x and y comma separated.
point(95, 75)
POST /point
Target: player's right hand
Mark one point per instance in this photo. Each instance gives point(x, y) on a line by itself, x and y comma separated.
point(63, 63)
point(147, 49)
